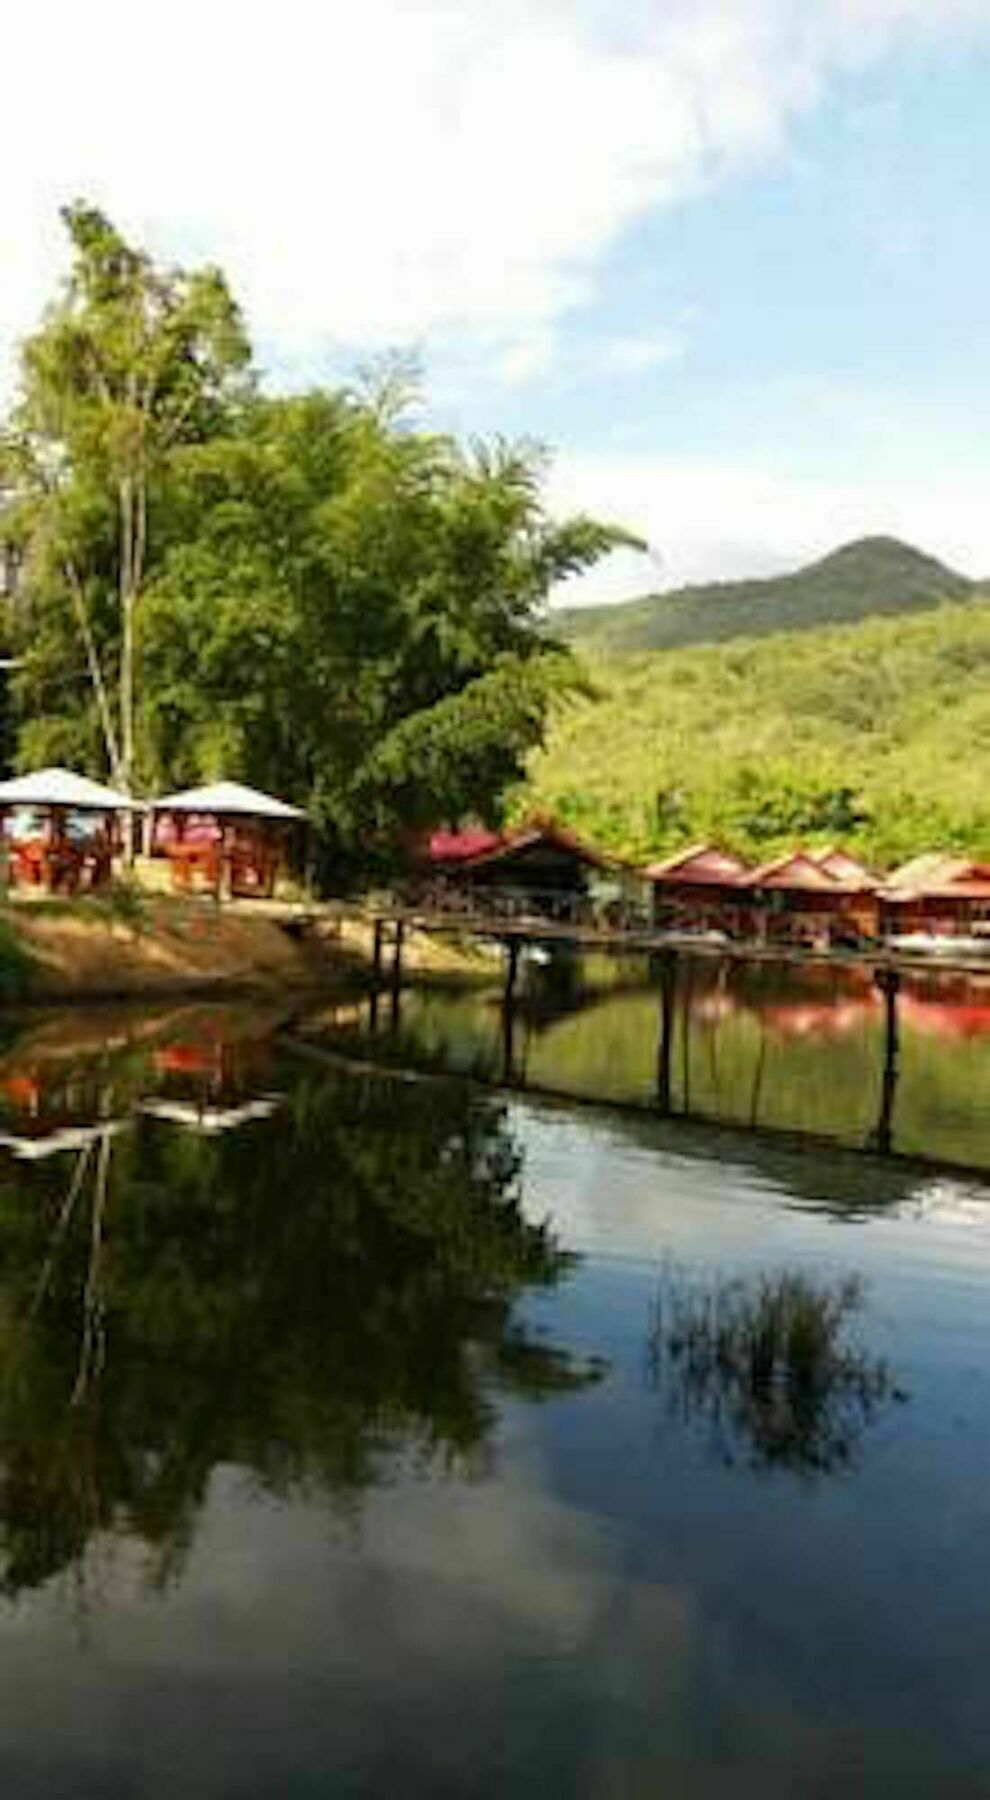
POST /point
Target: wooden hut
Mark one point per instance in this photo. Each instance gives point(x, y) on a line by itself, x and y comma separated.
point(697, 890)
point(539, 871)
point(224, 837)
point(937, 896)
point(61, 830)
point(797, 900)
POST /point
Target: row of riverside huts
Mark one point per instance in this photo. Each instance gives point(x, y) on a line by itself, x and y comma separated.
point(814, 898)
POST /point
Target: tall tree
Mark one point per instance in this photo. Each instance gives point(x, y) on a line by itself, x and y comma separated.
point(130, 362)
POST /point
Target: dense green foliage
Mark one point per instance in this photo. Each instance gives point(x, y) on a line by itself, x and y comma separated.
point(861, 580)
point(311, 593)
point(876, 734)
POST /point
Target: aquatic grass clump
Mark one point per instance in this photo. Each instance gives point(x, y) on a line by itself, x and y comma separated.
point(768, 1367)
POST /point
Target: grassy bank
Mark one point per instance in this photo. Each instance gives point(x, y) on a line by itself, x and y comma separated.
point(131, 944)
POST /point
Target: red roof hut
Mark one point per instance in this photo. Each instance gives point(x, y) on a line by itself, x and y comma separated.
point(697, 889)
point(798, 900)
point(936, 895)
point(539, 869)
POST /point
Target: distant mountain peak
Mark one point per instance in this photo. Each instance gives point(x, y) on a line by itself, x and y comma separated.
point(867, 577)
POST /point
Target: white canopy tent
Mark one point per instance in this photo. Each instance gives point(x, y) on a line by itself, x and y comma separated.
point(250, 835)
point(57, 787)
point(228, 800)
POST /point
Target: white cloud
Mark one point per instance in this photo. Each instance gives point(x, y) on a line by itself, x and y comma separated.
point(712, 521)
point(406, 167)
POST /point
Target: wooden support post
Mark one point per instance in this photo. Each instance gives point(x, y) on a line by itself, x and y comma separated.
point(509, 1008)
point(686, 1007)
point(889, 982)
point(668, 988)
point(400, 931)
point(221, 858)
point(376, 965)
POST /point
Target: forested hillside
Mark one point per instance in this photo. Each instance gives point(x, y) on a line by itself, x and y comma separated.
point(878, 734)
point(867, 579)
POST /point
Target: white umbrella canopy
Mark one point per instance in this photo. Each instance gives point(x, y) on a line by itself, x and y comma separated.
point(63, 787)
point(227, 799)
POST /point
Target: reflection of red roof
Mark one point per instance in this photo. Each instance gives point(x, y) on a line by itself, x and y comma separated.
point(711, 1009)
point(462, 846)
point(703, 865)
point(187, 1059)
point(940, 1018)
point(800, 1019)
point(24, 1090)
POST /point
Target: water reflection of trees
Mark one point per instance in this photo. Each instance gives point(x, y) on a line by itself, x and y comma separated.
point(768, 1369)
point(306, 1302)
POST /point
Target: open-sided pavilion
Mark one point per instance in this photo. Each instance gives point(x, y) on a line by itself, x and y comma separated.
point(224, 836)
point(61, 830)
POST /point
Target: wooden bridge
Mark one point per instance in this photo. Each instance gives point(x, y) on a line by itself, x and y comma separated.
point(391, 924)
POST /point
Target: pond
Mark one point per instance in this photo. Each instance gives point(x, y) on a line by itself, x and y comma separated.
point(364, 1431)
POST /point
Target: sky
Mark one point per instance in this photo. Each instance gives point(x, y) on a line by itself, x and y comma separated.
point(728, 259)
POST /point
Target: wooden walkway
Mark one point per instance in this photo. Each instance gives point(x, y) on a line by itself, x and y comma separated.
point(614, 941)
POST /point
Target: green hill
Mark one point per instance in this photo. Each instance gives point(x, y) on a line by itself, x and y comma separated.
point(872, 577)
point(877, 734)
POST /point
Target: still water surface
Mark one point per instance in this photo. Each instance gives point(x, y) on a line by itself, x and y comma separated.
point(362, 1435)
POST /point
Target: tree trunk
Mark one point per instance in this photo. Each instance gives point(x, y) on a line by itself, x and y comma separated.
point(127, 598)
point(95, 671)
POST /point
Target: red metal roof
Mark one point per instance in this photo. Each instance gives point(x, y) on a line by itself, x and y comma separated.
point(462, 846)
point(545, 831)
point(936, 877)
point(703, 865)
point(797, 872)
point(845, 868)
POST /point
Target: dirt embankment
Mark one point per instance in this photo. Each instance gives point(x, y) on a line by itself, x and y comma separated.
point(163, 945)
